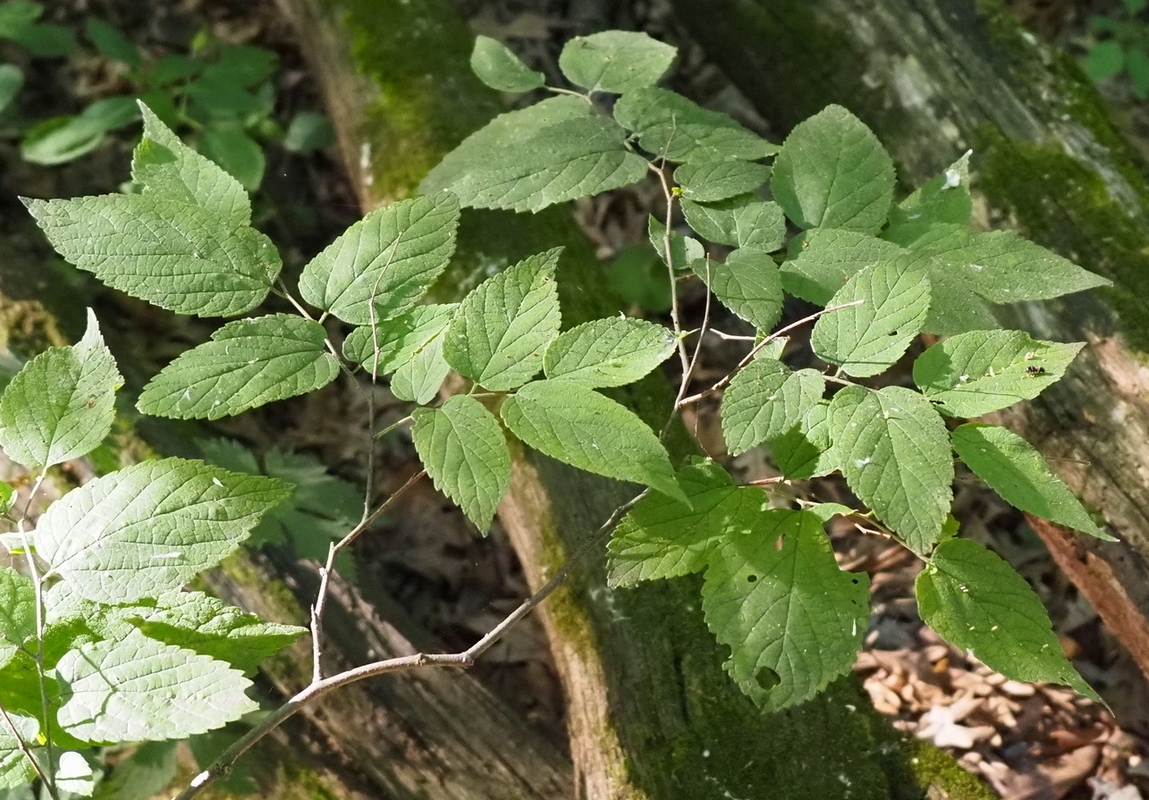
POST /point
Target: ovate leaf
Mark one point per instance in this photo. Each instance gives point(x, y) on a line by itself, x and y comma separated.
point(582, 428)
point(174, 255)
point(615, 61)
point(895, 454)
point(743, 221)
point(832, 172)
point(382, 265)
point(608, 352)
point(765, 400)
point(671, 127)
point(663, 538)
point(868, 338)
point(709, 181)
point(465, 452)
point(395, 342)
point(111, 42)
point(60, 405)
point(128, 690)
point(169, 169)
point(684, 250)
point(234, 150)
point(248, 363)
point(1004, 268)
point(501, 69)
point(978, 372)
point(419, 380)
point(748, 283)
point(1014, 469)
point(17, 610)
point(978, 603)
point(148, 528)
point(792, 619)
point(503, 327)
point(526, 160)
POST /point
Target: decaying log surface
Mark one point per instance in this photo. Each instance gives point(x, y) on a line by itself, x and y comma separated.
point(651, 714)
point(933, 78)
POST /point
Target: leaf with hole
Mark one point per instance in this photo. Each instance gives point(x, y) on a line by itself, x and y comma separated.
point(792, 619)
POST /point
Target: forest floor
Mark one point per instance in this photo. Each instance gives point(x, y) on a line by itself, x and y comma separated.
point(1030, 742)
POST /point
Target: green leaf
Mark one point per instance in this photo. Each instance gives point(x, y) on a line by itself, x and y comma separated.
point(765, 400)
point(465, 452)
point(150, 527)
point(976, 602)
point(526, 160)
point(805, 451)
point(672, 127)
point(15, 770)
point(309, 131)
point(867, 339)
point(501, 69)
point(503, 327)
point(60, 406)
point(17, 611)
point(243, 65)
point(44, 40)
point(1014, 469)
point(1004, 268)
point(832, 172)
point(663, 538)
point(943, 198)
point(748, 283)
point(582, 428)
point(615, 61)
point(11, 81)
point(419, 380)
point(982, 371)
point(743, 221)
point(170, 169)
point(61, 139)
point(1137, 65)
point(792, 619)
point(210, 627)
point(709, 181)
point(954, 306)
point(128, 690)
point(895, 455)
point(382, 265)
point(829, 258)
point(684, 250)
point(8, 497)
point(248, 363)
point(235, 151)
point(145, 773)
point(18, 14)
point(637, 276)
point(186, 259)
point(395, 342)
point(111, 43)
point(1104, 60)
point(608, 352)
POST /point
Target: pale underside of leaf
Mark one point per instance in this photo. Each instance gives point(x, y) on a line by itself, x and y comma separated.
point(608, 352)
point(615, 61)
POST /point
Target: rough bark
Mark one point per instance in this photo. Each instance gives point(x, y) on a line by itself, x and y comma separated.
point(933, 78)
point(651, 714)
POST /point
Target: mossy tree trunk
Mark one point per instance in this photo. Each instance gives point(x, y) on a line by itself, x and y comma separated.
point(933, 78)
point(651, 714)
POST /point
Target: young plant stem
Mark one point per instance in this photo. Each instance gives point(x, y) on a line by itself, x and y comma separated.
point(758, 348)
point(461, 660)
point(684, 384)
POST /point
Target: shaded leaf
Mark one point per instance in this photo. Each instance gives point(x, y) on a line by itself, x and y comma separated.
point(608, 352)
point(709, 181)
point(747, 283)
point(501, 69)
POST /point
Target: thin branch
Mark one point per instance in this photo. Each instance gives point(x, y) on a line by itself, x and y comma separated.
point(731, 337)
point(285, 294)
point(684, 384)
point(560, 90)
point(758, 348)
point(393, 426)
point(462, 660)
point(23, 745)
